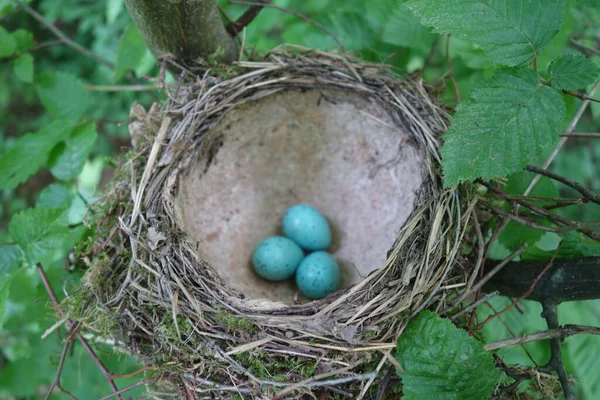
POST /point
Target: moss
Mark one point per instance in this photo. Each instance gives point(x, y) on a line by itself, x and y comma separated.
point(233, 323)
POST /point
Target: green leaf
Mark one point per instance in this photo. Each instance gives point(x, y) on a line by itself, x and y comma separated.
point(62, 95)
point(509, 31)
point(23, 40)
point(56, 195)
point(574, 245)
point(508, 121)
point(515, 234)
point(23, 67)
point(403, 29)
point(29, 152)
point(131, 51)
point(67, 159)
point(7, 43)
point(113, 9)
point(572, 72)
point(441, 361)
point(41, 233)
point(10, 260)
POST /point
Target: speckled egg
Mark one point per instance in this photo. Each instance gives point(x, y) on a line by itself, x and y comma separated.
point(318, 275)
point(276, 258)
point(306, 226)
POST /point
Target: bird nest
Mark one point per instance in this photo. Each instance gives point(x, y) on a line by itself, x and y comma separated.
point(210, 176)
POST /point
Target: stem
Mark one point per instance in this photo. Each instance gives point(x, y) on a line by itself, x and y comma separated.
point(188, 30)
point(556, 333)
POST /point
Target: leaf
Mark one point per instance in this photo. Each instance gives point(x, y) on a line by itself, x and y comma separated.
point(574, 245)
point(29, 152)
point(23, 40)
point(10, 260)
point(67, 159)
point(113, 9)
point(41, 233)
point(23, 67)
point(62, 95)
point(56, 195)
point(441, 361)
point(403, 29)
point(515, 234)
point(508, 120)
point(7, 43)
point(509, 31)
point(572, 72)
point(131, 51)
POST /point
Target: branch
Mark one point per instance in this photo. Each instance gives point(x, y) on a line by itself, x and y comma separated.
point(591, 135)
point(64, 38)
point(565, 280)
point(233, 28)
point(189, 30)
point(575, 185)
point(550, 314)
point(556, 333)
point(297, 14)
point(581, 96)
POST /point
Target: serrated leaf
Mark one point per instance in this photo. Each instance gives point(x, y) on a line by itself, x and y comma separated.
point(7, 43)
point(131, 51)
point(572, 72)
point(29, 152)
point(515, 234)
point(509, 31)
point(440, 361)
point(508, 121)
point(41, 233)
point(402, 28)
point(23, 40)
point(10, 260)
point(67, 159)
point(62, 95)
point(23, 67)
point(56, 195)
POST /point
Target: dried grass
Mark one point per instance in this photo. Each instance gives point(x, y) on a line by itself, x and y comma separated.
point(171, 308)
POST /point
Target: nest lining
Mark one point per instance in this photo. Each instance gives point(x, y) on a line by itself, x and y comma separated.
point(171, 307)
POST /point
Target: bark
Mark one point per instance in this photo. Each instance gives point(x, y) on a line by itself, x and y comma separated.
point(566, 280)
point(188, 29)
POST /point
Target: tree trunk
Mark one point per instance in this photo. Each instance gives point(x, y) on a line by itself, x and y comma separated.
point(188, 29)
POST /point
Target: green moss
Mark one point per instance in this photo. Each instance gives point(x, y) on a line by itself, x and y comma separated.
point(233, 323)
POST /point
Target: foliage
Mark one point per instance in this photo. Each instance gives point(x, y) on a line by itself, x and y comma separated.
point(61, 127)
point(441, 361)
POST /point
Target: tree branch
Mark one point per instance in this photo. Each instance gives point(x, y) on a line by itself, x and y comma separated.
point(188, 30)
point(556, 333)
point(236, 27)
point(565, 280)
point(575, 185)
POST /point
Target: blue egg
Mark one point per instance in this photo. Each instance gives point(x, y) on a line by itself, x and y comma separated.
point(318, 275)
point(307, 227)
point(276, 258)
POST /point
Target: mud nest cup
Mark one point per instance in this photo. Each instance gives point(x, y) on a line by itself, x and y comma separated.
point(212, 173)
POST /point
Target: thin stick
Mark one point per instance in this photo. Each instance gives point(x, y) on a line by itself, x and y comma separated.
point(81, 339)
point(577, 186)
point(524, 295)
point(474, 304)
point(495, 270)
point(556, 333)
point(64, 38)
point(518, 219)
point(120, 88)
point(61, 363)
point(235, 27)
point(591, 135)
point(128, 388)
point(297, 14)
point(581, 96)
point(451, 70)
point(562, 141)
